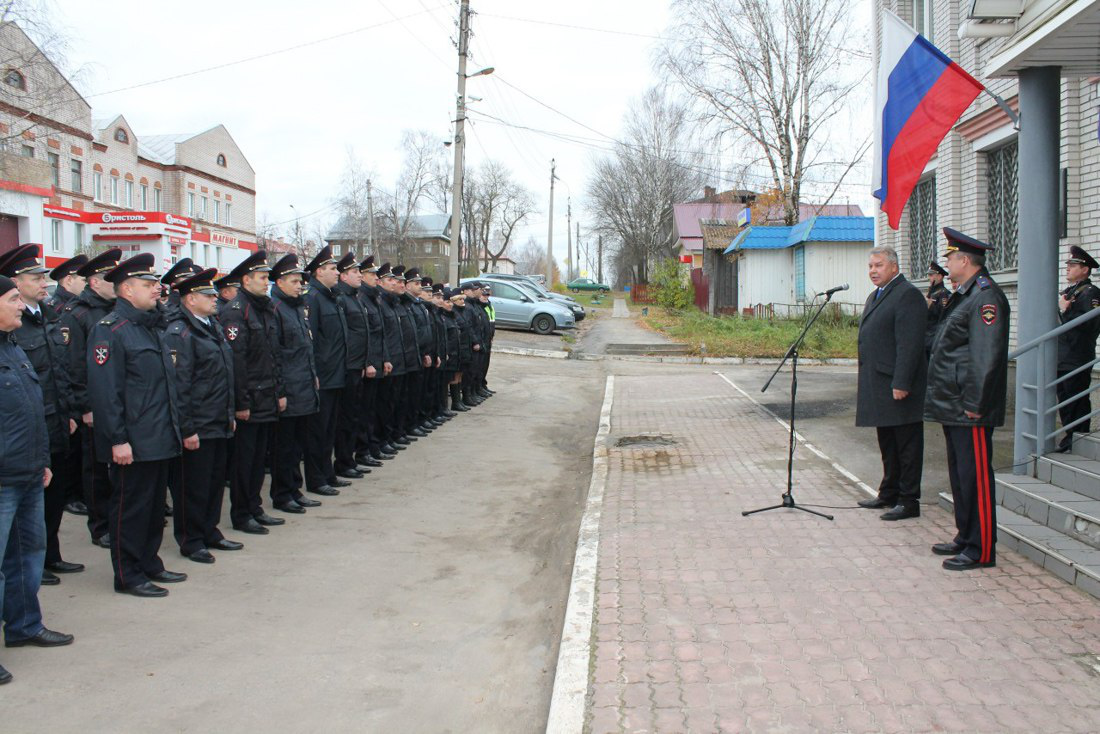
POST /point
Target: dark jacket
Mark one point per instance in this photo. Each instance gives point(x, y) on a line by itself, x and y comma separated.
point(939, 296)
point(250, 328)
point(391, 332)
point(409, 340)
point(132, 386)
point(466, 337)
point(488, 326)
point(204, 376)
point(425, 337)
point(80, 315)
point(355, 316)
point(377, 353)
point(891, 356)
point(439, 334)
point(296, 352)
point(46, 346)
point(968, 369)
point(450, 325)
point(1078, 345)
point(24, 442)
point(480, 321)
point(330, 334)
point(59, 299)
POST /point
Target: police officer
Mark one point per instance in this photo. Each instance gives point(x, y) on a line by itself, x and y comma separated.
point(937, 298)
point(330, 349)
point(1077, 347)
point(69, 282)
point(131, 384)
point(369, 445)
point(465, 350)
point(250, 326)
point(445, 372)
point(299, 384)
point(478, 321)
point(40, 338)
point(425, 344)
point(490, 328)
point(350, 418)
point(77, 319)
point(182, 270)
point(228, 286)
point(389, 391)
point(405, 416)
point(204, 381)
point(967, 379)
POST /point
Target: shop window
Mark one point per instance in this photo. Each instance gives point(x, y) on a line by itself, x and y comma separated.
point(1002, 167)
point(14, 78)
point(76, 168)
point(121, 136)
point(221, 160)
point(55, 168)
point(922, 228)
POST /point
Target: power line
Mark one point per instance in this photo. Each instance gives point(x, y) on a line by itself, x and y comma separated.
point(575, 27)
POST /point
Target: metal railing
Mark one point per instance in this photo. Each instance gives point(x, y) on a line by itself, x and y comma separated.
point(1035, 435)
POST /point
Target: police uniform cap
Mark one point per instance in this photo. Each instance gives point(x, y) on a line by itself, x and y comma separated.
point(70, 266)
point(426, 281)
point(1080, 257)
point(228, 281)
point(347, 262)
point(101, 263)
point(412, 274)
point(446, 292)
point(959, 242)
point(368, 265)
point(398, 271)
point(470, 285)
point(934, 268)
point(184, 268)
point(254, 263)
point(322, 258)
point(138, 266)
point(286, 265)
point(200, 282)
point(23, 260)
point(384, 271)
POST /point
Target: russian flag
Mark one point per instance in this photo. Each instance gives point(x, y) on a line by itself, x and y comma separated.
point(919, 96)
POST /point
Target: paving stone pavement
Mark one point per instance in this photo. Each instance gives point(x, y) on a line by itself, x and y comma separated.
point(708, 621)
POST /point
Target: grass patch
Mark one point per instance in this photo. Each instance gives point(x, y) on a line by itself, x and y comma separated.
point(585, 299)
point(734, 336)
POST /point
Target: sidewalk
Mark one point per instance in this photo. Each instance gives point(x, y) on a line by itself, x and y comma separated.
point(709, 621)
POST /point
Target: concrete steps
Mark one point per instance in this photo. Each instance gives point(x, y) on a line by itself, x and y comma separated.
point(660, 348)
point(1068, 512)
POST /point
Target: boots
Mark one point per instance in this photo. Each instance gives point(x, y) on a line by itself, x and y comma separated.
point(456, 400)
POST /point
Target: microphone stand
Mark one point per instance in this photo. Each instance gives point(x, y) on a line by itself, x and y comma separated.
point(792, 354)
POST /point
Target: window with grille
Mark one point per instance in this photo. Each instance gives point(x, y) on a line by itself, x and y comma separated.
point(922, 228)
point(1001, 172)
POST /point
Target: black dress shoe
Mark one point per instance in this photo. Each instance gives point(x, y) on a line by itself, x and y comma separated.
point(292, 507)
point(202, 555)
point(5, 676)
point(48, 579)
point(401, 446)
point(405, 440)
point(372, 462)
point(947, 549)
point(168, 577)
point(876, 504)
point(307, 502)
point(363, 469)
point(265, 519)
point(64, 567)
point(325, 491)
point(226, 544)
point(901, 512)
point(350, 474)
point(386, 448)
point(252, 527)
point(1065, 445)
point(143, 589)
point(44, 638)
point(338, 483)
point(103, 541)
point(965, 563)
point(76, 508)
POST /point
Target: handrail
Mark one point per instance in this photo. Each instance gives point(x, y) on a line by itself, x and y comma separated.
point(1057, 331)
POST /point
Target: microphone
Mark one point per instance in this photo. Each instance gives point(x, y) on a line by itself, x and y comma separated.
point(831, 291)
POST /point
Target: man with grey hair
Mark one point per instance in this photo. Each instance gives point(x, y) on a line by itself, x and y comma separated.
point(892, 381)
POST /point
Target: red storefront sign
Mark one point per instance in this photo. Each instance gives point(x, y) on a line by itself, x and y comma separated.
point(116, 218)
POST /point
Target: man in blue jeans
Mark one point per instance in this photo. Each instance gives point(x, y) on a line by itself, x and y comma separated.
point(24, 472)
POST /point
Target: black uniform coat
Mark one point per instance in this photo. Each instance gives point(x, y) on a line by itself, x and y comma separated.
point(425, 337)
point(250, 328)
point(132, 386)
point(391, 332)
point(968, 369)
point(59, 299)
point(204, 376)
point(80, 315)
point(891, 356)
point(46, 346)
point(377, 353)
point(355, 315)
point(24, 442)
point(409, 339)
point(939, 295)
point(1078, 346)
point(296, 351)
point(330, 334)
point(466, 337)
point(450, 325)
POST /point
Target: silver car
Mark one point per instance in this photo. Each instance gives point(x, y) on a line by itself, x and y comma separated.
point(518, 304)
point(528, 280)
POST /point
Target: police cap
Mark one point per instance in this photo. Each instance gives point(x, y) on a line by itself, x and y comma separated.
point(322, 258)
point(254, 263)
point(1080, 257)
point(935, 268)
point(23, 260)
point(286, 265)
point(102, 263)
point(69, 267)
point(138, 266)
point(959, 242)
point(200, 282)
point(182, 269)
point(369, 265)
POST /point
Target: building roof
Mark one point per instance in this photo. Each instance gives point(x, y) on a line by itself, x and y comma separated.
point(161, 148)
point(855, 230)
point(689, 218)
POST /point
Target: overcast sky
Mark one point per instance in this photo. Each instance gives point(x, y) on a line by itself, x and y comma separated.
point(295, 113)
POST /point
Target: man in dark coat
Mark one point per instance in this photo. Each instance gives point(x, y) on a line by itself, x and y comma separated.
point(330, 351)
point(425, 344)
point(478, 323)
point(69, 282)
point(369, 444)
point(131, 384)
point(350, 419)
point(181, 271)
point(228, 287)
point(204, 381)
point(893, 373)
point(465, 349)
point(389, 392)
point(937, 298)
point(967, 381)
point(1077, 347)
point(41, 339)
point(405, 416)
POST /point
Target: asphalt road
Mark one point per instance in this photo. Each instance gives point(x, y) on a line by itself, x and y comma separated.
point(428, 597)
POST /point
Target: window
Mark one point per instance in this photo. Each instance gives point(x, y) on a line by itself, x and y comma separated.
point(206, 255)
point(77, 170)
point(144, 198)
point(156, 200)
point(97, 184)
point(15, 79)
point(202, 207)
point(217, 211)
point(190, 205)
point(800, 274)
point(922, 18)
point(506, 291)
point(78, 237)
point(221, 160)
point(55, 234)
point(55, 168)
point(1003, 205)
point(129, 194)
point(114, 190)
point(27, 151)
point(121, 136)
point(922, 228)
point(228, 222)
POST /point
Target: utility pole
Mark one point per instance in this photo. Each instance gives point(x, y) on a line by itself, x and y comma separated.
point(578, 247)
point(550, 233)
point(599, 258)
point(460, 120)
point(569, 238)
point(370, 221)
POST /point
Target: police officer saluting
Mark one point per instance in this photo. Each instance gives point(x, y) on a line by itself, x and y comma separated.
point(204, 380)
point(131, 384)
point(967, 379)
point(1077, 347)
point(937, 298)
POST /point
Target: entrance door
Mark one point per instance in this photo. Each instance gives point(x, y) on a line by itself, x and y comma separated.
point(9, 233)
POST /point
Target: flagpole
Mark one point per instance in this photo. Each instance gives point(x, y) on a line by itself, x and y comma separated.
point(1012, 114)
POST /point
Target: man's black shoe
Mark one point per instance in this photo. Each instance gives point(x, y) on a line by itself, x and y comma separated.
point(48, 579)
point(484, 393)
point(1065, 445)
point(251, 526)
point(103, 541)
point(386, 448)
point(901, 512)
point(265, 519)
point(876, 504)
point(400, 446)
point(292, 507)
point(145, 589)
point(44, 638)
point(307, 502)
point(325, 491)
point(5, 676)
point(371, 462)
point(350, 474)
point(402, 441)
point(947, 549)
point(76, 507)
point(338, 483)
point(169, 577)
point(202, 555)
point(64, 567)
point(965, 563)
point(226, 544)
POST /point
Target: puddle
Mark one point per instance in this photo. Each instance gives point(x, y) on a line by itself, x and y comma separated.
point(644, 441)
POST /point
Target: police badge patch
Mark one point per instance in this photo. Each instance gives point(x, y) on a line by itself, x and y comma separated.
point(101, 353)
point(989, 314)
point(65, 335)
point(172, 354)
point(231, 332)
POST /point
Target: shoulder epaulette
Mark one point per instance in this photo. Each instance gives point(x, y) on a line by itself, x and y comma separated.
point(109, 319)
point(235, 304)
point(983, 282)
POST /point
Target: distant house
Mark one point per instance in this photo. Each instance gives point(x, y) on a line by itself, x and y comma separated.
point(504, 265)
point(426, 245)
point(786, 266)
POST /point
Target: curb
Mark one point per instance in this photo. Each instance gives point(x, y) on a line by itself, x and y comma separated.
point(567, 703)
point(584, 357)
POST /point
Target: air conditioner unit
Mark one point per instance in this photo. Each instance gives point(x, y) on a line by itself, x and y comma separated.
point(995, 9)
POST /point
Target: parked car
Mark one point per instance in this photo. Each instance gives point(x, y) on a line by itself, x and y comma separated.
point(587, 284)
point(567, 301)
point(519, 305)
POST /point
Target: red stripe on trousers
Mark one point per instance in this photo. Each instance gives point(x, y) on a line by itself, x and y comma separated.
point(982, 480)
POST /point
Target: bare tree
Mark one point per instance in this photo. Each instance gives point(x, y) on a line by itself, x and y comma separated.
point(772, 75)
point(396, 210)
point(494, 205)
point(632, 191)
point(352, 202)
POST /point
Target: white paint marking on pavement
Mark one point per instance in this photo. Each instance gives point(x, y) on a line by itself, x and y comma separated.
point(571, 677)
point(619, 309)
point(816, 451)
